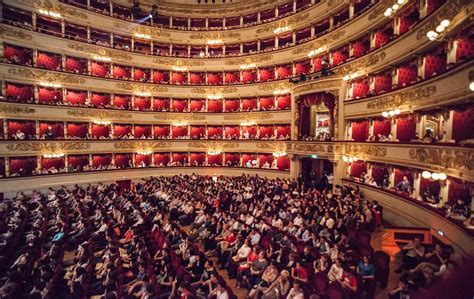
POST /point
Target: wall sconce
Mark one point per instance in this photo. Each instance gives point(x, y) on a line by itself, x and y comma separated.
point(248, 66)
point(350, 76)
point(102, 58)
point(281, 91)
point(215, 42)
point(144, 152)
point(248, 123)
point(180, 124)
point(50, 84)
point(180, 68)
point(313, 53)
point(143, 94)
point(349, 159)
point(435, 176)
point(438, 33)
point(214, 152)
point(391, 113)
point(51, 14)
point(471, 86)
point(214, 96)
point(142, 35)
point(389, 11)
point(53, 155)
point(281, 29)
point(279, 154)
point(102, 122)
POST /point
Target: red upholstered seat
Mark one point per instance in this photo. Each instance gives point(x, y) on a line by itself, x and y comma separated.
point(284, 71)
point(434, 65)
point(20, 93)
point(382, 83)
point(360, 48)
point(303, 67)
point(406, 75)
point(360, 88)
point(380, 38)
point(339, 56)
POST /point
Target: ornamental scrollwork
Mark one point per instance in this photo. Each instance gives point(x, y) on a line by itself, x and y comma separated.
point(379, 9)
point(319, 86)
point(370, 150)
point(136, 87)
point(447, 158)
point(284, 23)
point(98, 114)
point(208, 36)
point(214, 90)
point(57, 7)
point(47, 146)
point(45, 76)
point(274, 86)
point(178, 62)
point(402, 98)
point(254, 116)
point(362, 63)
point(99, 51)
point(15, 109)
point(139, 145)
point(279, 146)
point(249, 60)
point(178, 118)
point(308, 148)
point(17, 33)
point(213, 145)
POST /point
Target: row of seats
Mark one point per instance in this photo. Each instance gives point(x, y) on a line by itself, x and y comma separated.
point(25, 93)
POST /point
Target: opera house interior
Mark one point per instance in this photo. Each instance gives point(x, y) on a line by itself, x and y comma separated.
point(276, 149)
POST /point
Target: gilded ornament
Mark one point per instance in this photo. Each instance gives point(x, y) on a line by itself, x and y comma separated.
point(360, 64)
point(16, 33)
point(179, 117)
point(318, 86)
point(178, 62)
point(213, 144)
point(249, 60)
point(308, 147)
point(95, 50)
point(137, 87)
point(370, 150)
point(100, 114)
point(15, 109)
point(275, 86)
point(379, 9)
point(448, 158)
point(140, 145)
point(307, 47)
point(402, 98)
point(215, 35)
point(57, 7)
point(287, 22)
point(41, 146)
point(278, 146)
point(214, 90)
point(45, 76)
point(253, 116)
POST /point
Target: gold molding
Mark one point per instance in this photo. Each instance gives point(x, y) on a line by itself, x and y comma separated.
point(42, 146)
point(56, 7)
point(401, 98)
point(318, 86)
point(290, 21)
point(45, 76)
point(182, 117)
point(139, 145)
point(214, 90)
point(15, 109)
point(98, 114)
point(277, 145)
point(275, 86)
point(360, 64)
point(9, 31)
point(379, 8)
point(178, 62)
point(370, 150)
point(249, 60)
point(215, 35)
point(447, 158)
point(213, 144)
point(88, 49)
point(137, 87)
point(250, 116)
point(306, 147)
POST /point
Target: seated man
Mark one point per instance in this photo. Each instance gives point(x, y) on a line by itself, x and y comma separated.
point(412, 254)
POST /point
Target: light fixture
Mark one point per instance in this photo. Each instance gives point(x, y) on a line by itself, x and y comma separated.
point(279, 154)
point(102, 122)
point(400, 2)
point(435, 176)
point(142, 35)
point(214, 96)
point(180, 68)
point(53, 155)
point(281, 29)
point(50, 84)
point(180, 124)
point(350, 76)
point(50, 13)
point(144, 152)
point(215, 42)
point(247, 123)
point(350, 159)
point(391, 113)
point(471, 86)
point(102, 58)
point(281, 91)
point(313, 53)
point(438, 33)
point(143, 93)
point(214, 152)
point(248, 66)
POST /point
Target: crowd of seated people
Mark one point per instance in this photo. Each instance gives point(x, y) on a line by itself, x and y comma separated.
point(322, 136)
point(164, 238)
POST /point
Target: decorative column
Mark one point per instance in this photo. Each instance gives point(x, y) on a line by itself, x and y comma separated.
point(416, 185)
point(393, 129)
point(391, 172)
point(448, 136)
point(444, 191)
point(295, 166)
point(65, 130)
